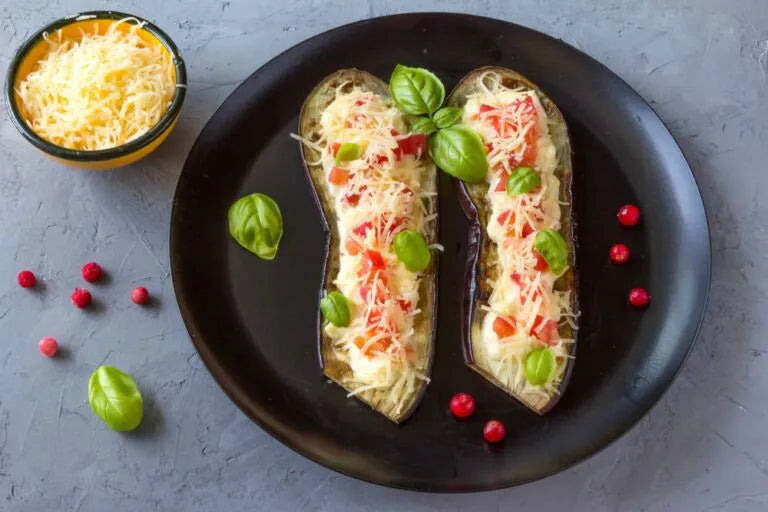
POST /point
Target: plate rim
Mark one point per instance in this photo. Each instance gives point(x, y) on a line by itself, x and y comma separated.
point(219, 374)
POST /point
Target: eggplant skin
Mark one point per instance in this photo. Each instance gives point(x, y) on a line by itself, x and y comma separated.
point(335, 369)
point(482, 254)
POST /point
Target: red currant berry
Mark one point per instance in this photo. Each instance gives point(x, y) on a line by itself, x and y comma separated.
point(619, 253)
point(91, 272)
point(139, 295)
point(48, 347)
point(81, 297)
point(462, 405)
point(26, 279)
point(628, 215)
point(494, 431)
point(639, 297)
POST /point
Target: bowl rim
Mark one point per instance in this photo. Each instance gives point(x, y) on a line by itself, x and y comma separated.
point(98, 155)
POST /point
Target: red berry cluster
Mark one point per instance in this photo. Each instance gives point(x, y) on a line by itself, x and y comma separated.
point(463, 405)
point(629, 216)
point(80, 298)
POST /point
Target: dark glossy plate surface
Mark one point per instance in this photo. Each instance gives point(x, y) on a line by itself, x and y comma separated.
point(254, 322)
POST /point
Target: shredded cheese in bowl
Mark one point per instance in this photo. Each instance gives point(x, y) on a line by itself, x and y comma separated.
point(99, 91)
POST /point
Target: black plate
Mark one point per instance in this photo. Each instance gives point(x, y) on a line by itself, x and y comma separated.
point(254, 322)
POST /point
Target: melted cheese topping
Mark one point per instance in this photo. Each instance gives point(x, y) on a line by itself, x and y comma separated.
point(514, 127)
point(376, 196)
point(99, 92)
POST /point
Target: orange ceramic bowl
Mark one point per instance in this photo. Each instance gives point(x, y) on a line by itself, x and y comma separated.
point(72, 27)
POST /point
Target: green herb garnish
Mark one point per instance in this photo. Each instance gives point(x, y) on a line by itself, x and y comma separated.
point(256, 223)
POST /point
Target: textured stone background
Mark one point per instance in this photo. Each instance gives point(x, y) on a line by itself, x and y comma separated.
point(701, 63)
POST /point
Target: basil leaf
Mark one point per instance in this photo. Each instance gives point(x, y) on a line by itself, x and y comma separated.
point(553, 248)
point(539, 366)
point(459, 151)
point(114, 398)
point(256, 223)
point(412, 250)
point(416, 91)
point(522, 180)
point(348, 151)
point(447, 116)
point(335, 308)
point(423, 125)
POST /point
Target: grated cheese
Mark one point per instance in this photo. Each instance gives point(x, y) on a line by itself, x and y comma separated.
point(520, 292)
point(99, 92)
point(383, 194)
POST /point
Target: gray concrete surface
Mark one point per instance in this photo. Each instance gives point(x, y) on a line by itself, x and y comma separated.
point(701, 63)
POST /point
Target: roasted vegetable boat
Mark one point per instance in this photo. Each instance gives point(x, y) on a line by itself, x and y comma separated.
point(376, 188)
point(520, 307)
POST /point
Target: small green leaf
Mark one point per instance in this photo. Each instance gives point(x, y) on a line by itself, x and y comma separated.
point(459, 151)
point(447, 116)
point(348, 151)
point(336, 309)
point(423, 125)
point(114, 398)
point(539, 366)
point(553, 248)
point(416, 91)
point(412, 250)
point(522, 180)
point(256, 223)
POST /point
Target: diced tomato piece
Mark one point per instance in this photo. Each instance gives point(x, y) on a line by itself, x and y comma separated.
point(488, 147)
point(504, 326)
point(545, 330)
point(382, 159)
point(360, 103)
point(380, 222)
point(363, 228)
point(353, 198)
point(394, 132)
point(353, 246)
point(501, 186)
point(338, 176)
point(527, 230)
point(378, 346)
point(373, 260)
point(517, 279)
point(334, 148)
point(406, 190)
point(405, 305)
point(412, 145)
point(529, 155)
point(502, 218)
point(486, 108)
point(381, 293)
point(541, 263)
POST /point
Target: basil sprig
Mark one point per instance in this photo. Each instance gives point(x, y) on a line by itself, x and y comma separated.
point(447, 116)
point(416, 91)
point(256, 223)
point(456, 149)
point(412, 250)
point(423, 125)
point(115, 398)
point(553, 248)
point(522, 180)
point(336, 309)
point(539, 366)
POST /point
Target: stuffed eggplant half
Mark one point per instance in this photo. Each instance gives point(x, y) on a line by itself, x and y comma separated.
point(376, 188)
point(521, 303)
